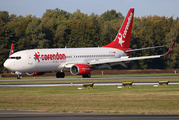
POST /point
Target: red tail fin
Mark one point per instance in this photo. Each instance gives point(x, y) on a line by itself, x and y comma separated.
point(12, 49)
point(123, 37)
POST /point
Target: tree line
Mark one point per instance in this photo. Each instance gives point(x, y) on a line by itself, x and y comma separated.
point(58, 29)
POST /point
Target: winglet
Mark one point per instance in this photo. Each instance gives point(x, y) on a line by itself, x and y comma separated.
point(12, 49)
point(170, 50)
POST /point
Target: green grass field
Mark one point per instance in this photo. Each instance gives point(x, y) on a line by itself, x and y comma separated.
point(101, 99)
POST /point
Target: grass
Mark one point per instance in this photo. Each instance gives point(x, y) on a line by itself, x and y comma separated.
point(101, 99)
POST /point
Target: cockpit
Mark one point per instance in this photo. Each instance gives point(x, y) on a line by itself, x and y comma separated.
point(17, 58)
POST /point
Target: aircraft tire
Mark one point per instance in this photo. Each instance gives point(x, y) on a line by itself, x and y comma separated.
point(19, 76)
point(84, 76)
point(60, 74)
point(87, 76)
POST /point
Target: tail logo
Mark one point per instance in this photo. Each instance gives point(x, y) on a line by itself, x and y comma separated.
point(123, 36)
point(127, 26)
point(120, 40)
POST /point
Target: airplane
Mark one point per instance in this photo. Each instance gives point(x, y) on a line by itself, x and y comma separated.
point(79, 61)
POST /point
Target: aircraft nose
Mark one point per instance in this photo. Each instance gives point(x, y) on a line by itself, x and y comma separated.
point(7, 64)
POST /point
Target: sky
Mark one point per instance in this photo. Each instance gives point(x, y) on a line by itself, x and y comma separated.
point(166, 8)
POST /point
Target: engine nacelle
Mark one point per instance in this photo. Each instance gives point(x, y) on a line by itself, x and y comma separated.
point(80, 69)
point(39, 73)
point(35, 73)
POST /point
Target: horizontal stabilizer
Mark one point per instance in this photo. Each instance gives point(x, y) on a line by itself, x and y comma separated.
point(134, 50)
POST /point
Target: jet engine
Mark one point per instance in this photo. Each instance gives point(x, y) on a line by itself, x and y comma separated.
point(80, 69)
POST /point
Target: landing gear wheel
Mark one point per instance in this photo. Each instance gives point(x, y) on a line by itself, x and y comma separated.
point(87, 76)
point(19, 76)
point(84, 76)
point(60, 74)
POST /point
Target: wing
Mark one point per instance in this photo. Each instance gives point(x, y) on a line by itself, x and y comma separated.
point(120, 60)
point(126, 58)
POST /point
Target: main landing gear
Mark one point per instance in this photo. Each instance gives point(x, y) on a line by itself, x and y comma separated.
point(60, 74)
point(87, 76)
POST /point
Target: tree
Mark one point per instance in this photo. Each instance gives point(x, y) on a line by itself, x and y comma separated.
point(5, 37)
point(111, 15)
point(35, 36)
point(58, 28)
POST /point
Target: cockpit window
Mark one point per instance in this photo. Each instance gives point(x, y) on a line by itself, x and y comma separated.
point(12, 58)
point(17, 58)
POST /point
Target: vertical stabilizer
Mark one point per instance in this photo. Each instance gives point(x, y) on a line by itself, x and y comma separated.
point(123, 38)
point(12, 49)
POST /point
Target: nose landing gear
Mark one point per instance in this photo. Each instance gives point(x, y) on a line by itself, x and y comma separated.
point(19, 76)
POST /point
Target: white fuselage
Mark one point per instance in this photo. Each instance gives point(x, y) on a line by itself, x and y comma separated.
point(46, 60)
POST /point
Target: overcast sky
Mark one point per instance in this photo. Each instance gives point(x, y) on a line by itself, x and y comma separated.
point(166, 8)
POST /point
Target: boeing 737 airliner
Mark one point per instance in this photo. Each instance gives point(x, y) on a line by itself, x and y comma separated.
point(79, 61)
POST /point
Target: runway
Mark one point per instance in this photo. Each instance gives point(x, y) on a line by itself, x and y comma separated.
point(78, 84)
point(92, 78)
point(40, 115)
point(81, 84)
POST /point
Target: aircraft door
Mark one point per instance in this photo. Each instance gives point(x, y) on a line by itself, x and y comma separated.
point(73, 57)
point(30, 59)
point(117, 54)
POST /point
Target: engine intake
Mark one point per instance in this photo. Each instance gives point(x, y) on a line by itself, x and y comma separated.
point(80, 69)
